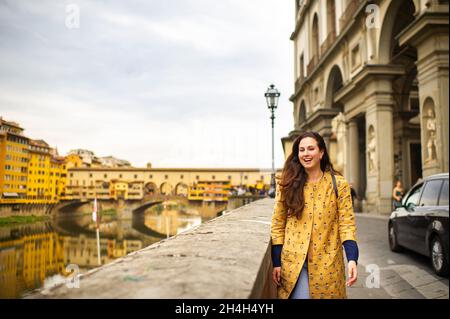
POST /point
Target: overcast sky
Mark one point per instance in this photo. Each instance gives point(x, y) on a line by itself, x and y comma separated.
point(178, 83)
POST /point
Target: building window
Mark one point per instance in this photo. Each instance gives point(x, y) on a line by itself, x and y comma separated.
point(181, 176)
point(229, 177)
point(197, 177)
point(120, 175)
point(166, 176)
point(135, 176)
point(90, 175)
point(213, 177)
point(302, 67)
point(315, 37)
point(356, 57)
point(316, 94)
point(245, 177)
point(105, 176)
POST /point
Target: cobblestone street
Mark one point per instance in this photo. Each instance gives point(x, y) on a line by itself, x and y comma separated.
point(405, 275)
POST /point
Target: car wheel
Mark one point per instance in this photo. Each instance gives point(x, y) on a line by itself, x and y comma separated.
point(393, 243)
point(438, 260)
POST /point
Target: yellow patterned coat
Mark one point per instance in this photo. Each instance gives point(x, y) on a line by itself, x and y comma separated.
point(318, 234)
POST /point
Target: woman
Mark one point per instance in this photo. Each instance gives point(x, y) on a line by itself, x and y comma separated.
point(310, 224)
point(397, 194)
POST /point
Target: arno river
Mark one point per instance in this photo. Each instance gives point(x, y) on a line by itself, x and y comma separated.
point(43, 254)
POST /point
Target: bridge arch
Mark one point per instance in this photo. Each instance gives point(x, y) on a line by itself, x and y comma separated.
point(181, 189)
point(166, 188)
point(151, 188)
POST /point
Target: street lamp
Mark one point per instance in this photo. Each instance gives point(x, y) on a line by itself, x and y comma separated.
point(272, 96)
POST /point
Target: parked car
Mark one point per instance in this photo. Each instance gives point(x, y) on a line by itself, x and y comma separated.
point(421, 223)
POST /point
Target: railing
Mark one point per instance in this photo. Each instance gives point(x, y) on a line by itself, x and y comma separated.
point(312, 64)
point(348, 13)
point(328, 42)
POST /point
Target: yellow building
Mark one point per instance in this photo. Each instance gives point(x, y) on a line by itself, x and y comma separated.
point(30, 171)
point(13, 163)
point(119, 190)
point(73, 160)
point(47, 174)
point(39, 188)
point(209, 191)
point(58, 177)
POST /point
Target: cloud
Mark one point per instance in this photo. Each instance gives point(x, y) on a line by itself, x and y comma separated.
point(175, 83)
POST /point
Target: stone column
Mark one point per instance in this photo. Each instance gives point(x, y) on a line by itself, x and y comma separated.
point(379, 145)
point(429, 35)
point(352, 164)
point(432, 74)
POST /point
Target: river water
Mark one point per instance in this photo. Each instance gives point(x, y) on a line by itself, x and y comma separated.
point(44, 254)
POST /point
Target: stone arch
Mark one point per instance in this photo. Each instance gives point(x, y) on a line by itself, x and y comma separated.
point(151, 189)
point(429, 129)
point(166, 188)
point(181, 189)
point(334, 83)
point(391, 23)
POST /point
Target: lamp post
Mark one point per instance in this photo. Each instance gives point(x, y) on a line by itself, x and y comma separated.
point(272, 96)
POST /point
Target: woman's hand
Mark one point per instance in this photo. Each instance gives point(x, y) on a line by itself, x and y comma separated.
point(352, 273)
point(276, 275)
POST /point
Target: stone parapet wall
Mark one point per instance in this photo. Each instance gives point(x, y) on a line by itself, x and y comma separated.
point(227, 257)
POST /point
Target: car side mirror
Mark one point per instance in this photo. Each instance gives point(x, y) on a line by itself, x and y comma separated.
point(410, 207)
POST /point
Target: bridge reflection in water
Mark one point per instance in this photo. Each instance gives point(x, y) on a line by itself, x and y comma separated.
point(38, 255)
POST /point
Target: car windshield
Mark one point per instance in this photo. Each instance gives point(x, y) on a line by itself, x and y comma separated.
point(413, 196)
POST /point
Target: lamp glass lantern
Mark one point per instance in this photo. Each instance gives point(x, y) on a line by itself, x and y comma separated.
point(272, 95)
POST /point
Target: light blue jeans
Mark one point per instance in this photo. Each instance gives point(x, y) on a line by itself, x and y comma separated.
point(301, 289)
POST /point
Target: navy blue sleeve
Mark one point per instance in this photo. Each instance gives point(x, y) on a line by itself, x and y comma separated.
point(351, 250)
point(276, 255)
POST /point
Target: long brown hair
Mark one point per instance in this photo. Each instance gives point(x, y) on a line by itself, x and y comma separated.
point(294, 176)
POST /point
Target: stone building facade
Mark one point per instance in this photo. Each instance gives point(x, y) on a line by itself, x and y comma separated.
point(372, 78)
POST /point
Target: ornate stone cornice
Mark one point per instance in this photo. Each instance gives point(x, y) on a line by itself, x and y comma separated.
point(426, 24)
point(368, 73)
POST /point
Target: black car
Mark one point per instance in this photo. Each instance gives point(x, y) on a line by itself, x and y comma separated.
point(421, 224)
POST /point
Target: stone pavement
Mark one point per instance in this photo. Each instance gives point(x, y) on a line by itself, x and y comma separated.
point(405, 275)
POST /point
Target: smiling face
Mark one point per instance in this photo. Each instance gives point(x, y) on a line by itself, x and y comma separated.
point(309, 153)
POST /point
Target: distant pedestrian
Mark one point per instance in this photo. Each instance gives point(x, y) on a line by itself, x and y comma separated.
point(313, 216)
point(353, 194)
point(397, 194)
